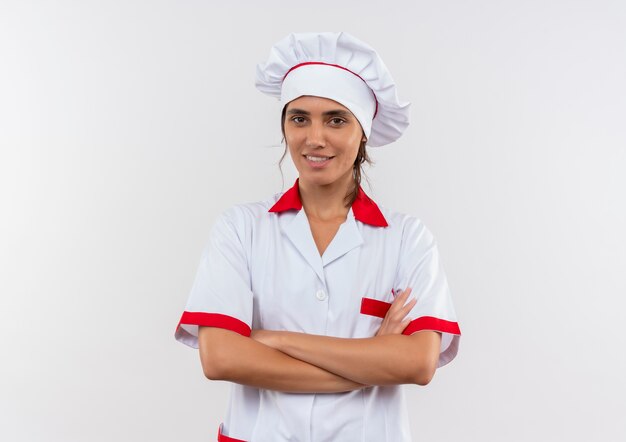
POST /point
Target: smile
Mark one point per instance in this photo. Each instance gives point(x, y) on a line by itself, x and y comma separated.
point(317, 159)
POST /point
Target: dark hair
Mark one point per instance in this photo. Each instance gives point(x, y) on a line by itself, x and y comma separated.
point(357, 168)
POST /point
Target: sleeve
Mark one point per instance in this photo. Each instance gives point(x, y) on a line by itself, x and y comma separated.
point(421, 269)
point(221, 294)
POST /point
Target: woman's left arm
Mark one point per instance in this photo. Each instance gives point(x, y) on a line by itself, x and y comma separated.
point(389, 358)
point(380, 360)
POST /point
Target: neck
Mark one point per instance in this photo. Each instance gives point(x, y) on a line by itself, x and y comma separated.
point(326, 202)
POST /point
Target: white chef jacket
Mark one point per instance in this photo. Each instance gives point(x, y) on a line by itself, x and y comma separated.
point(261, 270)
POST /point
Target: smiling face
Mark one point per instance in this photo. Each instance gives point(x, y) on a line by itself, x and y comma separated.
point(323, 139)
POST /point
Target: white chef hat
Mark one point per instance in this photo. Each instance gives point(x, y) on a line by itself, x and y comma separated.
point(338, 66)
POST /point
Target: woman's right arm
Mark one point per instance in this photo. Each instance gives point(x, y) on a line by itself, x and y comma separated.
point(229, 356)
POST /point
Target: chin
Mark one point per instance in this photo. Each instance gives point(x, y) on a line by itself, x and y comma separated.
point(320, 179)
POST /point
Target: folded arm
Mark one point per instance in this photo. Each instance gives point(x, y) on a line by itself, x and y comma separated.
point(228, 356)
point(380, 360)
point(389, 358)
point(305, 363)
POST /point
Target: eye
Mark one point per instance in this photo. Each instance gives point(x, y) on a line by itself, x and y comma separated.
point(336, 121)
point(298, 120)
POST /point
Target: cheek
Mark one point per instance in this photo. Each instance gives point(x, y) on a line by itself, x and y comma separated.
point(291, 138)
point(354, 141)
point(290, 149)
point(353, 156)
point(352, 148)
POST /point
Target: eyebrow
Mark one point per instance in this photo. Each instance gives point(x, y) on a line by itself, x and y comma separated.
point(333, 113)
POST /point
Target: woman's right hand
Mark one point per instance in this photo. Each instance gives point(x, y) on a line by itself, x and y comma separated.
point(395, 320)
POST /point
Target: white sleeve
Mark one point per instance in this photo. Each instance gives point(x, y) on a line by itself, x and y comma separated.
point(221, 294)
point(421, 269)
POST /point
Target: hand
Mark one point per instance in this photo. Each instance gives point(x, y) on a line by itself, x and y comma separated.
point(395, 320)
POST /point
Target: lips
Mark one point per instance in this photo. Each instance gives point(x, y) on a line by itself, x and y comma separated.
point(316, 161)
point(318, 157)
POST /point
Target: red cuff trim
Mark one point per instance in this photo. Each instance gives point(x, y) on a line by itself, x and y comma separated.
point(215, 320)
point(374, 307)
point(223, 438)
point(430, 323)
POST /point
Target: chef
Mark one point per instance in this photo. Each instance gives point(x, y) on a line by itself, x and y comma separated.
point(317, 303)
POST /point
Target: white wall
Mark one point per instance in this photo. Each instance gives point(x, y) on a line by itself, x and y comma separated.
point(127, 126)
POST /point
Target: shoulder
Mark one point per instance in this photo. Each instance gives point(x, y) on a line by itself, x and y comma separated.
point(409, 227)
point(240, 223)
point(401, 221)
point(245, 216)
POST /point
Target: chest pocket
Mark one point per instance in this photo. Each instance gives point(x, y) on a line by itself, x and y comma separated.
point(377, 308)
point(374, 307)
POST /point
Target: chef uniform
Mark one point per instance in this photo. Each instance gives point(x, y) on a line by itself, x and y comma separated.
point(261, 268)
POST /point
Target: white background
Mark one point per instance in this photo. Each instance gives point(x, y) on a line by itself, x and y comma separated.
point(126, 127)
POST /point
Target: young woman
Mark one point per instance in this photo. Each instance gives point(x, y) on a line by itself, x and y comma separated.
point(317, 304)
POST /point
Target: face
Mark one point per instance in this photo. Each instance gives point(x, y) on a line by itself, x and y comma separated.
point(323, 139)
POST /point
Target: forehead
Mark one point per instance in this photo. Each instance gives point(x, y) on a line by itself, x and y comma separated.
point(315, 104)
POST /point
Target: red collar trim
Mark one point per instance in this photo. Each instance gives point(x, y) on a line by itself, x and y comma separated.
point(363, 208)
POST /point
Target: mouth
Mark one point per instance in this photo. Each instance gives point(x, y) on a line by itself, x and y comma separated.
point(317, 158)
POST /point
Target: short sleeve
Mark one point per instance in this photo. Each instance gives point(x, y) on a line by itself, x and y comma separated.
point(221, 294)
point(421, 269)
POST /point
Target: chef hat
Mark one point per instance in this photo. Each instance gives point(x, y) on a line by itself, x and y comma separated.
point(338, 66)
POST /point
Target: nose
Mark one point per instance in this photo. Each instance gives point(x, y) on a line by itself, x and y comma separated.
point(315, 135)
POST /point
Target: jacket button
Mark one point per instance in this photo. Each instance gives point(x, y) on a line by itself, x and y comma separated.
point(321, 295)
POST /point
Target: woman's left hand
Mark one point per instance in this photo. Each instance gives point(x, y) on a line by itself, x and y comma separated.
point(396, 320)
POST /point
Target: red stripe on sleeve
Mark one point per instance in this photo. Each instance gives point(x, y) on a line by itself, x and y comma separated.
point(215, 320)
point(430, 323)
point(223, 438)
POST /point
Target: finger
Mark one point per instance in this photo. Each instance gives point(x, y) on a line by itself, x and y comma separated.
point(400, 314)
point(404, 293)
point(400, 326)
point(399, 303)
point(405, 324)
point(409, 305)
point(400, 299)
